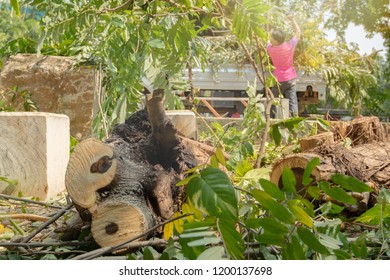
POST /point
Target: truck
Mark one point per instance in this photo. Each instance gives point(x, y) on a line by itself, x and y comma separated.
point(223, 91)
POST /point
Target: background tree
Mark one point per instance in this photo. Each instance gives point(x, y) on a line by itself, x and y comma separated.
point(17, 31)
point(132, 39)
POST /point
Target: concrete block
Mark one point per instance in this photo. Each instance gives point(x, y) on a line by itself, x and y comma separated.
point(34, 150)
point(57, 86)
point(185, 122)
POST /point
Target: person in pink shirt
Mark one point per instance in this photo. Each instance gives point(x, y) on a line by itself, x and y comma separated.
point(282, 57)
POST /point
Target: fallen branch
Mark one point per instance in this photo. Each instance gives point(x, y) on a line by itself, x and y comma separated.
point(43, 244)
point(29, 201)
point(30, 217)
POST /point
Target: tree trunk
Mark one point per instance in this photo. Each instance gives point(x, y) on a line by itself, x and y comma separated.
point(127, 185)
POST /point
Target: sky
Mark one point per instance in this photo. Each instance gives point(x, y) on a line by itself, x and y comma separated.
point(357, 35)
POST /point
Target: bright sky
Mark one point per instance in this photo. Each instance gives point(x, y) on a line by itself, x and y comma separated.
point(357, 35)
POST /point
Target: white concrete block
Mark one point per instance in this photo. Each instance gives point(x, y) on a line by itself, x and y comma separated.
point(185, 122)
point(34, 150)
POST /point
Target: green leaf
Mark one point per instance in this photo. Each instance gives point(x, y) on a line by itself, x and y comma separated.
point(149, 253)
point(253, 223)
point(299, 213)
point(291, 122)
point(359, 248)
point(213, 253)
point(350, 183)
point(156, 43)
point(310, 240)
point(273, 226)
point(278, 210)
point(329, 242)
point(207, 223)
point(220, 156)
point(186, 180)
point(214, 161)
point(248, 19)
point(289, 180)
point(213, 193)
point(257, 174)
point(243, 167)
point(373, 215)
point(293, 250)
point(197, 234)
point(232, 239)
point(342, 255)
point(306, 179)
point(15, 6)
point(271, 239)
point(323, 124)
point(337, 193)
point(384, 195)
point(272, 189)
point(314, 191)
point(331, 208)
point(204, 241)
point(275, 134)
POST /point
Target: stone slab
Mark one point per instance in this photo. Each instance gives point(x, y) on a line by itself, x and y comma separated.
point(57, 86)
point(34, 150)
point(185, 122)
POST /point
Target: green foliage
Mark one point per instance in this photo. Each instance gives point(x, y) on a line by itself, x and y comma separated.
point(248, 17)
point(18, 33)
point(283, 224)
point(15, 99)
point(212, 193)
point(292, 224)
point(11, 185)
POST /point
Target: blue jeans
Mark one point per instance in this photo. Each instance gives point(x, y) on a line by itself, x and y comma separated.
point(289, 91)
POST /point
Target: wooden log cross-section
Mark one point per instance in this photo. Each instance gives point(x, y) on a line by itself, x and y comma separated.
point(127, 184)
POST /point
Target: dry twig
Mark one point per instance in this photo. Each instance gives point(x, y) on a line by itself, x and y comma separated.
point(49, 222)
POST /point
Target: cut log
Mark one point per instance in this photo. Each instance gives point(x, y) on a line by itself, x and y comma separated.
point(91, 168)
point(370, 163)
point(122, 216)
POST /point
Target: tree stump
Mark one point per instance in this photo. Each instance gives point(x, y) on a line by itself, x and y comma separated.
point(127, 184)
point(315, 141)
point(370, 163)
point(361, 130)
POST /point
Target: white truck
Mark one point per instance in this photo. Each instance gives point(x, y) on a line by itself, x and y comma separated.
point(225, 89)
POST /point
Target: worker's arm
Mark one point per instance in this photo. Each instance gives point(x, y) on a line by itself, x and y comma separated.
point(297, 30)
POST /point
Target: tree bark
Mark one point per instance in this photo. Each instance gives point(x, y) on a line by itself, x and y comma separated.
point(370, 163)
point(148, 159)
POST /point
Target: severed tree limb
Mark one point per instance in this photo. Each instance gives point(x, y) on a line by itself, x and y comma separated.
point(31, 217)
point(207, 148)
point(163, 129)
point(42, 244)
point(100, 252)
